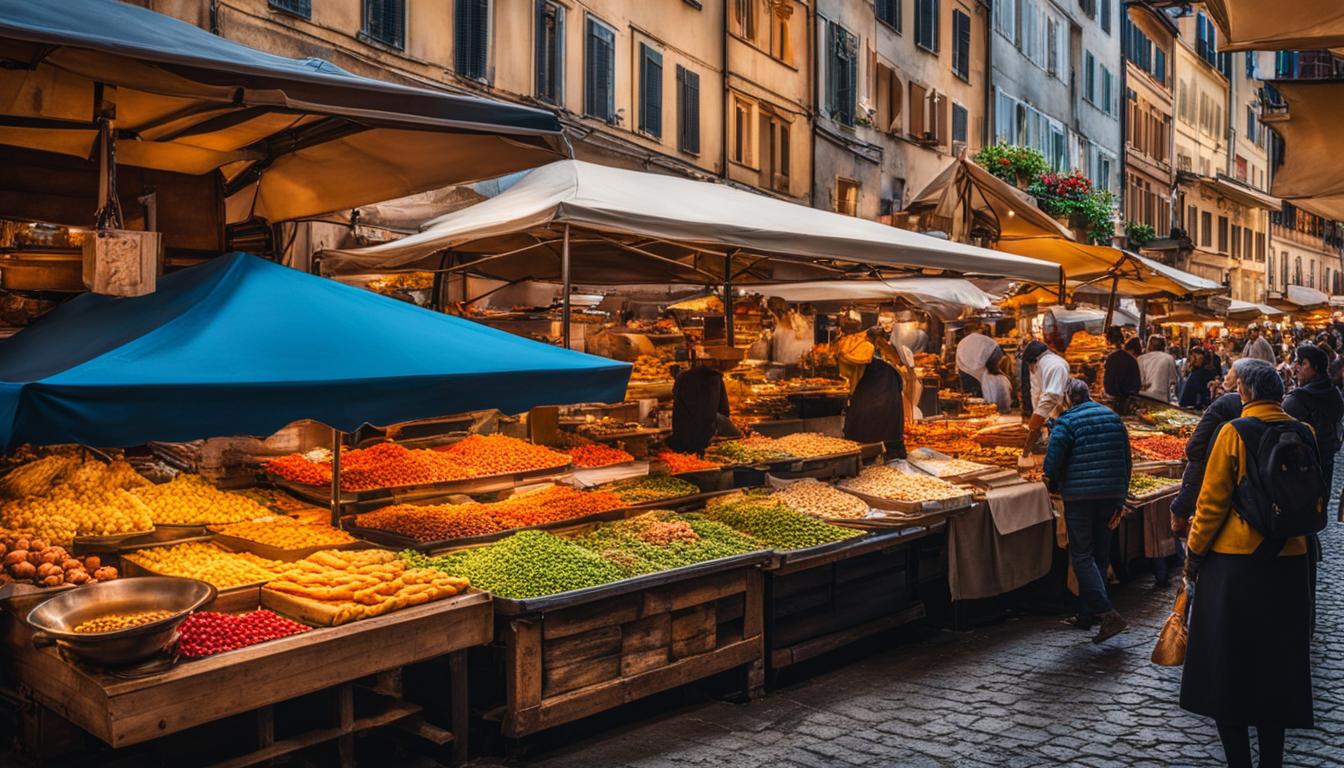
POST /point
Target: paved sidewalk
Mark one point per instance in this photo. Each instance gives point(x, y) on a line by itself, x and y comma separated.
point(1025, 692)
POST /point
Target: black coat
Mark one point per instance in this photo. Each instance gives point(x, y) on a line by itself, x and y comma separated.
point(698, 398)
point(1122, 377)
point(1319, 405)
point(1219, 412)
point(876, 411)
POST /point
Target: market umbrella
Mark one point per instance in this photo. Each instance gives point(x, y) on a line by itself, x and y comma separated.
point(243, 346)
point(287, 138)
point(1256, 25)
point(947, 298)
point(1310, 130)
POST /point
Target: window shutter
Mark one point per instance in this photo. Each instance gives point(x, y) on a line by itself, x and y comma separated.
point(599, 95)
point(851, 78)
point(302, 8)
point(590, 70)
point(385, 21)
point(650, 91)
point(471, 27)
point(541, 51)
point(692, 112)
point(961, 52)
point(833, 62)
point(783, 164)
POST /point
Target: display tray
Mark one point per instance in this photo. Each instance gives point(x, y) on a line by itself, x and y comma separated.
point(880, 523)
point(510, 607)
point(624, 435)
point(243, 597)
point(239, 544)
point(1157, 495)
point(110, 543)
point(782, 556)
point(321, 494)
point(317, 613)
point(912, 507)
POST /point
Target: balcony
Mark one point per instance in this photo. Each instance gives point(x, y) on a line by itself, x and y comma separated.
point(1308, 65)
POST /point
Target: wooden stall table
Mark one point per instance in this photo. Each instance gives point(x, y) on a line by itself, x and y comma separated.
point(133, 707)
point(576, 654)
point(823, 598)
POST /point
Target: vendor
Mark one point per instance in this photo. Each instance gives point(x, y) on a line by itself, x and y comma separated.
point(794, 334)
point(853, 351)
point(977, 354)
point(1048, 376)
point(1122, 379)
point(700, 403)
point(877, 408)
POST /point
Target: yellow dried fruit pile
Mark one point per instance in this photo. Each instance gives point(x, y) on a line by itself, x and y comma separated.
point(286, 533)
point(207, 562)
point(363, 583)
point(79, 498)
point(192, 500)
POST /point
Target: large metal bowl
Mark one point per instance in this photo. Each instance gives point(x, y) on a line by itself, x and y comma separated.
point(55, 619)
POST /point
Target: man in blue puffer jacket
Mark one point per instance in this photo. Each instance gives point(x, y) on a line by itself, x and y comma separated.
point(1087, 462)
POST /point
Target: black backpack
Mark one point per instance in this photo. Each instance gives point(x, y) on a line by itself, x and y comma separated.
point(1283, 494)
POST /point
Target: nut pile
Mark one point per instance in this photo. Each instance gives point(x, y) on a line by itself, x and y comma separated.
point(287, 533)
point(206, 632)
point(806, 445)
point(526, 564)
point(658, 541)
point(821, 500)
point(114, 622)
point(748, 450)
point(947, 467)
point(207, 562)
point(363, 583)
point(30, 560)
point(638, 490)
point(777, 525)
point(887, 483)
point(193, 500)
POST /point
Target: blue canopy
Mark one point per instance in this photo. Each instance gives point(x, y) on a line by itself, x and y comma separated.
point(242, 346)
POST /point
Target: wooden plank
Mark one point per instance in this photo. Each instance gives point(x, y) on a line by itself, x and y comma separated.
point(522, 663)
point(590, 701)
point(582, 618)
point(128, 711)
point(818, 599)
point(693, 631)
point(646, 644)
point(793, 654)
point(321, 735)
point(871, 564)
point(705, 589)
point(754, 615)
point(461, 716)
point(787, 585)
point(581, 674)
point(729, 608)
point(575, 648)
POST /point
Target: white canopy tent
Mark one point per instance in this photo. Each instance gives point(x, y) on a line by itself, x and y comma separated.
point(946, 298)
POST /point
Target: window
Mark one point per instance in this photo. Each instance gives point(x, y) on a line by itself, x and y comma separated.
point(961, 45)
point(1247, 250)
point(1206, 229)
point(1089, 77)
point(1089, 7)
point(781, 45)
point(302, 8)
point(1206, 42)
point(774, 153)
point(926, 24)
point(471, 38)
point(1005, 20)
point(688, 110)
point(1241, 168)
point(887, 93)
point(741, 150)
point(1159, 70)
point(1107, 91)
point(385, 21)
point(841, 73)
point(550, 53)
point(650, 91)
point(1192, 229)
point(960, 118)
point(1106, 16)
point(889, 13)
point(744, 18)
point(847, 197)
point(1052, 57)
point(1236, 242)
point(599, 71)
point(1222, 234)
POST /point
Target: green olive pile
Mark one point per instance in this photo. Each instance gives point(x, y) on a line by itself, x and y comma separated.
point(779, 526)
point(638, 490)
point(659, 541)
point(526, 564)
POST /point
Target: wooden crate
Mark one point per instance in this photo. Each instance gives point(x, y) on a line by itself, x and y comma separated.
point(820, 603)
point(566, 663)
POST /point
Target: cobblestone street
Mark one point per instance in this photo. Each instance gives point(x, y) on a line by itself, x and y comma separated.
point(1023, 692)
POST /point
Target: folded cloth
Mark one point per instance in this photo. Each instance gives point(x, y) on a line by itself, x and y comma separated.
point(1017, 507)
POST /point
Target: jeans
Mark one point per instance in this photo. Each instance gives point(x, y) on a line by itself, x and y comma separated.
point(1088, 523)
point(1163, 566)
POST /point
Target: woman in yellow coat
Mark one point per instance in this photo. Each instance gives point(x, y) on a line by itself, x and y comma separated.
point(1247, 664)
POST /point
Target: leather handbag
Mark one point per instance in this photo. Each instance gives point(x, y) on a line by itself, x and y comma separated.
point(1171, 642)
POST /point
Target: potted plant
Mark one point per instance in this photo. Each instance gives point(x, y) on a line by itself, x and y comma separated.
point(1015, 165)
point(1071, 198)
point(1139, 235)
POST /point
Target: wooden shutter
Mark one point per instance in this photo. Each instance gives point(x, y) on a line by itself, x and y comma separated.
point(471, 28)
point(851, 77)
point(650, 91)
point(692, 100)
point(599, 71)
point(550, 51)
point(833, 64)
point(961, 51)
point(385, 21)
point(302, 8)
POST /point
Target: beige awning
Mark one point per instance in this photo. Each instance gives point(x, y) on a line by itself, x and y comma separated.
point(285, 138)
point(1235, 190)
point(1259, 25)
point(993, 204)
point(1311, 174)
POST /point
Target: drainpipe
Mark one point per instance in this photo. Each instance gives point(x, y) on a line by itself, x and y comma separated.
point(723, 92)
point(1124, 137)
point(812, 110)
point(986, 132)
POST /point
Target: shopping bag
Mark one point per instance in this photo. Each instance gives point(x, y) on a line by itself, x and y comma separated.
point(1170, 648)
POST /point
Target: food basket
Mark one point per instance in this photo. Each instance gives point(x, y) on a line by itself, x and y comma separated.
point(54, 620)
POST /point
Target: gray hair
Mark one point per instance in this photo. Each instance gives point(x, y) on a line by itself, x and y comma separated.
point(1077, 392)
point(1259, 378)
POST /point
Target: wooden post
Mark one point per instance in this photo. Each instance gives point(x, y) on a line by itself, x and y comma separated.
point(1110, 307)
point(336, 438)
point(1143, 316)
point(728, 298)
point(461, 716)
point(564, 280)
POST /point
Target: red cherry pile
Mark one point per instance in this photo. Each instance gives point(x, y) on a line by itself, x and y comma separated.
point(207, 633)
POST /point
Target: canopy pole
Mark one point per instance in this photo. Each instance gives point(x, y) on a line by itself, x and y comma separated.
point(1143, 315)
point(728, 298)
point(1062, 297)
point(564, 279)
point(336, 438)
point(1110, 307)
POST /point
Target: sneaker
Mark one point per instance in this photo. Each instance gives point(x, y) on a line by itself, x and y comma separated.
point(1111, 625)
point(1078, 622)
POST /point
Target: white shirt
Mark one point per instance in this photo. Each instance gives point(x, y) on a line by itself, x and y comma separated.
point(1049, 378)
point(973, 353)
point(998, 390)
point(1160, 375)
point(792, 339)
point(1260, 349)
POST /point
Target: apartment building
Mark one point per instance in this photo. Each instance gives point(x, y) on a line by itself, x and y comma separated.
point(1147, 40)
point(1055, 74)
point(900, 91)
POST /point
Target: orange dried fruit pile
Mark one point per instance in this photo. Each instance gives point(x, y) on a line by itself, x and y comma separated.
point(501, 454)
point(436, 522)
point(598, 455)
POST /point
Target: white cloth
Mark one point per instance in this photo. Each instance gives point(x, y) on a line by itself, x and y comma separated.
point(1260, 349)
point(793, 337)
point(1160, 375)
point(998, 390)
point(1049, 378)
point(973, 353)
point(909, 335)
